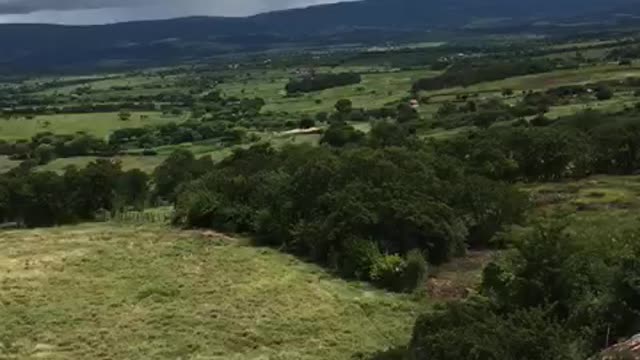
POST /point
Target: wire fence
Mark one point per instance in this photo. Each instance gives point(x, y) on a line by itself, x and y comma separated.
point(150, 216)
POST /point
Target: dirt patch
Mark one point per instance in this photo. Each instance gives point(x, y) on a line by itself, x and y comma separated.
point(459, 278)
point(446, 290)
point(214, 235)
point(310, 131)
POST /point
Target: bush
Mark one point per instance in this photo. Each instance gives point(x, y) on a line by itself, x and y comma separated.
point(473, 331)
point(388, 272)
point(358, 258)
point(603, 93)
point(415, 271)
point(307, 123)
point(344, 106)
point(394, 273)
point(339, 135)
point(197, 208)
point(540, 121)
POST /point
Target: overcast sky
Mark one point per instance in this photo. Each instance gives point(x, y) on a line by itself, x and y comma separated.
point(108, 11)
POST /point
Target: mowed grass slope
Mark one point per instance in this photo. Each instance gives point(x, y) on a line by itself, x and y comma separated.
point(123, 292)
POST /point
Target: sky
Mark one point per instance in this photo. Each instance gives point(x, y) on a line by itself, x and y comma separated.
point(80, 12)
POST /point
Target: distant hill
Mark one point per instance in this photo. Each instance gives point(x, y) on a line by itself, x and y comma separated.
point(430, 14)
point(44, 46)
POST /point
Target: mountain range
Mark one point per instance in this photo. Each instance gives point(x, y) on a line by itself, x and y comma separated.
point(38, 46)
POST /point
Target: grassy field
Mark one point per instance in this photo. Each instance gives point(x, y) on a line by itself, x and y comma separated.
point(596, 208)
point(376, 90)
point(144, 163)
point(149, 163)
point(124, 292)
point(617, 103)
point(102, 84)
point(604, 192)
point(129, 162)
point(98, 124)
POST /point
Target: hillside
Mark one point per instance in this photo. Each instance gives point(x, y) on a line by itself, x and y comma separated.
point(472, 198)
point(125, 292)
point(41, 47)
point(429, 15)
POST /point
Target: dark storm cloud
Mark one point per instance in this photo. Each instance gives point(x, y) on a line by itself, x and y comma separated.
point(212, 7)
point(109, 11)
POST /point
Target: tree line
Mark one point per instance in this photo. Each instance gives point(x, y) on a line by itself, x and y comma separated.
point(33, 198)
point(569, 148)
point(36, 199)
point(466, 73)
point(46, 147)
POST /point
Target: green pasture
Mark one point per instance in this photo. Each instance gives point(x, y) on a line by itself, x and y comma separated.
point(376, 90)
point(97, 124)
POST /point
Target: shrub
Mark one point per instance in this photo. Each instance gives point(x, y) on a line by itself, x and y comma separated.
point(358, 258)
point(196, 208)
point(388, 272)
point(520, 123)
point(339, 135)
point(603, 93)
point(415, 270)
point(344, 106)
point(540, 121)
point(307, 123)
point(472, 330)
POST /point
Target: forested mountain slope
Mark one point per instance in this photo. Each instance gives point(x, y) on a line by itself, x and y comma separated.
point(33, 46)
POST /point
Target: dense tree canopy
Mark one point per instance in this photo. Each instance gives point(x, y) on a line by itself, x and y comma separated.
point(47, 198)
point(467, 73)
point(359, 210)
point(554, 295)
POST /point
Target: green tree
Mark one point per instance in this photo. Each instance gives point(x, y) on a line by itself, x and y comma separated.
point(604, 93)
point(473, 330)
point(344, 106)
point(307, 123)
point(93, 188)
point(339, 135)
point(133, 188)
point(173, 172)
point(44, 153)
